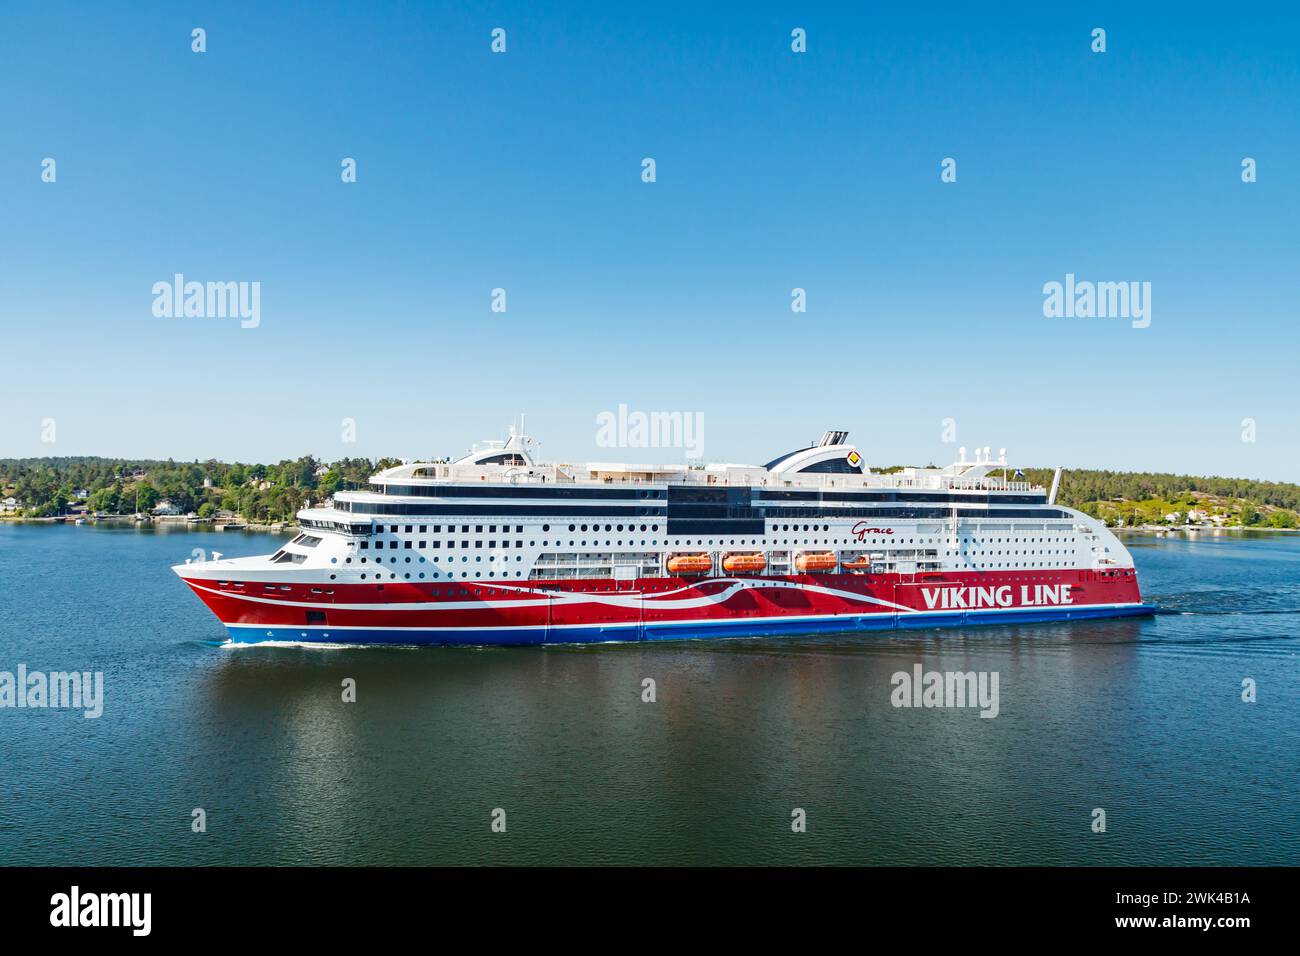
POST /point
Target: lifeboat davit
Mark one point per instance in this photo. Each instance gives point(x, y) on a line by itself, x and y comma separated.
point(858, 564)
point(814, 561)
point(734, 563)
point(690, 564)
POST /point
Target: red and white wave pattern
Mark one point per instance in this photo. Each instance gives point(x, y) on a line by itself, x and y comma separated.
point(651, 601)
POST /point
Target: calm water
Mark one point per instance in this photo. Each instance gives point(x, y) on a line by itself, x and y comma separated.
point(1143, 718)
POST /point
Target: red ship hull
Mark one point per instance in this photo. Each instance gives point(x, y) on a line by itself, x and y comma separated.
point(592, 610)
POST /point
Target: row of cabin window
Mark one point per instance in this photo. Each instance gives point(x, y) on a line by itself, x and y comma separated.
point(492, 529)
point(451, 529)
point(394, 545)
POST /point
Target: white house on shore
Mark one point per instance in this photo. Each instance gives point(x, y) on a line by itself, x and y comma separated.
point(10, 504)
point(165, 507)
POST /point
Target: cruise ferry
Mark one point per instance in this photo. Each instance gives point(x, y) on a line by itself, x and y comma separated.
point(500, 548)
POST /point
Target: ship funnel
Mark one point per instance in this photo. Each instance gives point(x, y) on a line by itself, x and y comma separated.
point(1056, 484)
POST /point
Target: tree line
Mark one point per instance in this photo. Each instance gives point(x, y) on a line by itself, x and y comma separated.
point(256, 492)
point(276, 492)
point(1146, 497)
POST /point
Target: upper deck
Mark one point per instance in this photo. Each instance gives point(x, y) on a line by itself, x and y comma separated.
point(827, 465)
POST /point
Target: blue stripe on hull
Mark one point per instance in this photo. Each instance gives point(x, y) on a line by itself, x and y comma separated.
point(676, 631)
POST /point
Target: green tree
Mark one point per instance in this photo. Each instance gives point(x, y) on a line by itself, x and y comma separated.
point(329, 482)
point(107, 500)
point(146, 496)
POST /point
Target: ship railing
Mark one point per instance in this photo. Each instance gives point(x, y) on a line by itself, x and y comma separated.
point(929, 483)
point(989, 484)
point(568, 474)
point(597, 558)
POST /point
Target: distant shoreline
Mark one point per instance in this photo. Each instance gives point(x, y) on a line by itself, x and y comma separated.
point(162, 520)
point(1197, 529)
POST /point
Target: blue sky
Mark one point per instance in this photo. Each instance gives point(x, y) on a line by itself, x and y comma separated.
point(775, 170)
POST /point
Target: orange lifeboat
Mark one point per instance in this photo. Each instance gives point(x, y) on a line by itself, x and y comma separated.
point(858, 564)
point(734, 563)
point(814, 561)
point(690, 564)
